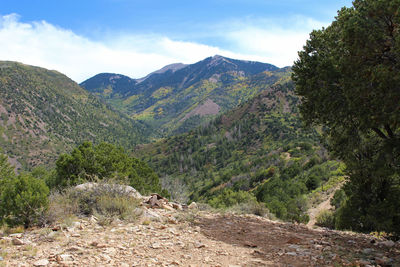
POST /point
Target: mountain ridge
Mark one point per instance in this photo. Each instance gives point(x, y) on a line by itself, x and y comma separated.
point(44, 113)
point(165, 97)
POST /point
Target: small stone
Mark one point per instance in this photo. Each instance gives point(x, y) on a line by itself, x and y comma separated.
point(75, 248)
point(199, 245)
point(250, 244)
point(291, 253)
point(177, 206)
point(17, 242)
point(167, 207)
point(367, 251)
point(42, 262)
point(1, 258)
point(17, 235)
point(64, 257)
point(193, 206)
point(156, 245)
point(76, 235)
point(388, 243)
point(364, 263)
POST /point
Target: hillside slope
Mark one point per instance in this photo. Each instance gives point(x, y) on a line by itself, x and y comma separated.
point(178, 97)
point(259, 147)
point(44, 113)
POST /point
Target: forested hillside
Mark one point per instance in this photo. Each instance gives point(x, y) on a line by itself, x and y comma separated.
point(257, 149)
point(43, 113)
point(180, 97)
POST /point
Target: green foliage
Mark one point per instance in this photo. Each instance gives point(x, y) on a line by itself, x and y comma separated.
point(88, 163)
point(228, 198)
point(258, 147)
point(48, 114)
point(326, 218)
point(347, 76)
point(338, 199)
point(165, 100)
point(23, 199)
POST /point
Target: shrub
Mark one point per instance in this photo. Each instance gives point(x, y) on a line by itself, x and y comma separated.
point(105, 201)
point(251, 207)
point(23, 199)
point(228, 198)
point(326, 218)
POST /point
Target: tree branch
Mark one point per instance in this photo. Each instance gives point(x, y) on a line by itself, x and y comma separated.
point(389, 131)
point(380, 133)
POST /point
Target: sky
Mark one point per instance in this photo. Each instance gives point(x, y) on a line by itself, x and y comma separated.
point(135, 37)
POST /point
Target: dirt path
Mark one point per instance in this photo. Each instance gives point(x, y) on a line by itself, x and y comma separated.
point(194, 239)
point(313, 212)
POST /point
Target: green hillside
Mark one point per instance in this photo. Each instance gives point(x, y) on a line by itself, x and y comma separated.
point(44, 113)
point(178, 99)
point(259, 147)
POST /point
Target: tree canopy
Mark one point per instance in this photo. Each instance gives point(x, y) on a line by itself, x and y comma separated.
point(87, 162)
point(348, 76)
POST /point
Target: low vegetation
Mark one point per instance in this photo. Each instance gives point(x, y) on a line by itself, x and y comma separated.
point(25, 199)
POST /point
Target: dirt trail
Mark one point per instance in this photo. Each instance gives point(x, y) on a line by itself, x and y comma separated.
point(313, 212)
point(194, 239)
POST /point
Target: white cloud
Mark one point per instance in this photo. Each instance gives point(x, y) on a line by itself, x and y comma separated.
point(274, 41)
point(43, 44)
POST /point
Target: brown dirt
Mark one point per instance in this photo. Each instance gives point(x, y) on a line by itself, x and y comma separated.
point(195, 239)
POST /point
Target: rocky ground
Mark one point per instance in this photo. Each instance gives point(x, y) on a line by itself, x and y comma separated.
point(167, 237)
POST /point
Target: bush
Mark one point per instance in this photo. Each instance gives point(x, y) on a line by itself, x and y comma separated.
point(23, 199)
point(326, 218)
point(228, 198)
point(251, 207)
point(105, 201)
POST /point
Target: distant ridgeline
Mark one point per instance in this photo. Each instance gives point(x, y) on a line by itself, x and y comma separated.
point(179, 97)
point(43, 113)
point(258, 147)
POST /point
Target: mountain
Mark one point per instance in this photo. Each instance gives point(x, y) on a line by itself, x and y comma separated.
point(258, 148)
point(179, 97)
point(44, 113)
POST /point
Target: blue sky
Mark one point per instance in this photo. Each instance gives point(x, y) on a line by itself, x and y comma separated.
point(135, 37)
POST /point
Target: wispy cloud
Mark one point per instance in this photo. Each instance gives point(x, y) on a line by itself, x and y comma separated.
point(43, 44)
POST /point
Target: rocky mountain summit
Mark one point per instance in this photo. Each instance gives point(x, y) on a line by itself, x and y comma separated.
point(178, 236)
point(169, 98)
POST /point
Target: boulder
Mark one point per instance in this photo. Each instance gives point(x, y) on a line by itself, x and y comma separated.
point(123, 189)
point(193, 206)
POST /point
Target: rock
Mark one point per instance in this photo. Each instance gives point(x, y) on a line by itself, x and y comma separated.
point(17, 242)
point(101, 245)
point(17, 235)
point(388, 243)
point(177, 206)
point(64, 257)
point(156, 245)
point(42, 262)
point(291, 253)
point(193, 206)
point(151, 215)
point(168, 207)
point(199, 245)
point(367, 251)
point(117, 188)
point(250, 244)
